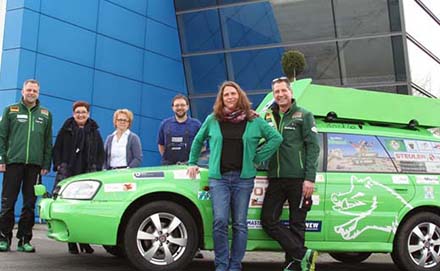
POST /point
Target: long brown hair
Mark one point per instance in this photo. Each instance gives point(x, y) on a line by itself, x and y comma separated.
point(242, 104)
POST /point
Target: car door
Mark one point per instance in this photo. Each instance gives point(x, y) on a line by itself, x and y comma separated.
point(364, 192)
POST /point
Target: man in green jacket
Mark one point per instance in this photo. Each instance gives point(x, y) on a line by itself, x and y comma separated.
point(292, 172)
point(25, 155)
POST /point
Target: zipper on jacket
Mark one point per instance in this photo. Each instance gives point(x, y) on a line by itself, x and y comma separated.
point(28, 135)
point(300, 160)
point(278, 151)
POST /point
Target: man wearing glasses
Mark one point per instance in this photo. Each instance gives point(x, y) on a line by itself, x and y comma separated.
point(292, 172)
point(176, 134)
point(25, 155)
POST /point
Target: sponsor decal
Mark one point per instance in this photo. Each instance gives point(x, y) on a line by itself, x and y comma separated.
point(424, 146)
point(314, 129)
point(22, 116)
point(257, 196)
point(427, 179)
point(410, 157)
point(319, 178)
point(400, 179)
point(315, 199)
point(411, 145)
point(363, 199)
point(204, 195)
point(119, 187)
point(14, 108)
point(44, 112)
point(429, 192)
point(433, 167)
point(297, 115)
point(311, 225)
point(149, 175)
point(182, 174)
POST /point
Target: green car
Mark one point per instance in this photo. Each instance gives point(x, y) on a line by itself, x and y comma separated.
point(377, 191)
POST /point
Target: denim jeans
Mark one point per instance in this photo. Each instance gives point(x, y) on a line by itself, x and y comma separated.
point(230, 193)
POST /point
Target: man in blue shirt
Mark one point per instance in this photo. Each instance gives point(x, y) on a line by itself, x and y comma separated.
point(177, 133)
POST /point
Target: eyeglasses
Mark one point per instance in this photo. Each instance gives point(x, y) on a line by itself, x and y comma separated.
point(179, 105)
point(122, 120)
point(281, 79)
point(81, 112)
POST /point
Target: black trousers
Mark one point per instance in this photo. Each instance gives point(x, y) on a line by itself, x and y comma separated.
point(16, 177)
point(290, 238)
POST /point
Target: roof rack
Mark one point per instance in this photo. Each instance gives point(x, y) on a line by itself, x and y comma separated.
point(351, 104)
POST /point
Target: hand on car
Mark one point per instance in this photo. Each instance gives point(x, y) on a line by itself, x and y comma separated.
point(308, 188)
point(192, 171)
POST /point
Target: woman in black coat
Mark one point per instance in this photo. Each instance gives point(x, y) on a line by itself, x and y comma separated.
point(78, 149)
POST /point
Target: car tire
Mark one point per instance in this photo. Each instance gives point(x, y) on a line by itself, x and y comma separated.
point(114, 250)
point(160, 236)
point(418, 236)
point(350, 257)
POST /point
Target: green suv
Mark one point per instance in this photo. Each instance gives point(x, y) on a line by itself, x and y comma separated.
point(377, 191)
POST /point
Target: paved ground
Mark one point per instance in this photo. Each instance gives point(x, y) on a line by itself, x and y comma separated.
point(53, 255)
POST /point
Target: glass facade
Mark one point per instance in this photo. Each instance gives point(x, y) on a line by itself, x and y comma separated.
point(422, 24)
point(354, 43)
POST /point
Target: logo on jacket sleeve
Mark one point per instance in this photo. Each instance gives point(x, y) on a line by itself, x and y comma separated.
point(14, 108)
point(44, 112)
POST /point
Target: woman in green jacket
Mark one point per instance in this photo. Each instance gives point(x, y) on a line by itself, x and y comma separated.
point(234, 132)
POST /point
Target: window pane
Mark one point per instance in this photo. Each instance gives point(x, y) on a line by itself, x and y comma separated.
point(354, 17)
point(247, 25)
point(372, 60)
point(434, 6)
point(357, 153)
point(321, 63)
point(193, 4)
point(424, 70)
point(201, 107)
point(417, 19)
point(304, 20)
point(255, 69)
point(200, 31)
point(413, 156)
point(205, 73)
point(271, 22)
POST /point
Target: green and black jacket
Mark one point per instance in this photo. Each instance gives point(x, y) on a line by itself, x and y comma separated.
point(298, 154)
point(26, 135)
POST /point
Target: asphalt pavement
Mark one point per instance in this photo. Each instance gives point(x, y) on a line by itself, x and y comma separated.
point(52, 255)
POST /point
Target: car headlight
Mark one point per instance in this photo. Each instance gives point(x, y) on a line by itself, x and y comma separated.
point(80, 190)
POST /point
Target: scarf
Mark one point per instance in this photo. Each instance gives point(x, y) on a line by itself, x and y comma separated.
point(237, 116)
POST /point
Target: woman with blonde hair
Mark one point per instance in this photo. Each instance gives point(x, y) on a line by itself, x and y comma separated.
point(234, 132)
point(123, 147)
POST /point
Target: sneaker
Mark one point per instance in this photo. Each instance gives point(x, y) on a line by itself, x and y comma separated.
point(309, 259)
point(293, 266)
point(25, 247)
point(4, 246)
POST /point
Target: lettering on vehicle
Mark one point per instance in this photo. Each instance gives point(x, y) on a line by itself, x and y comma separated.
point(119, 187)
point(427, 179)
point(360, 202)
point(311, 225)
point(400, 179)
point(149, 175)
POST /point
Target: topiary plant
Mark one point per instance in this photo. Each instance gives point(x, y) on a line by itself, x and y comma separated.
point(293, 63)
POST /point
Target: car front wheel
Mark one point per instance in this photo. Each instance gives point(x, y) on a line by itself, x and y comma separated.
point(417, 244)
point(160, 236)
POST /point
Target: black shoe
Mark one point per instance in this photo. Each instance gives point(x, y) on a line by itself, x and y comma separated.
point(73, 248)
point(86, 248)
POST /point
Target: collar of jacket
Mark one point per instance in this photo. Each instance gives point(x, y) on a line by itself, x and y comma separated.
point(37, 104)
point(276, 108)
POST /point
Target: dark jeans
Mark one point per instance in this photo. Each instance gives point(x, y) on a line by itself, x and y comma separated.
point(25, 177)
point(290, 238)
